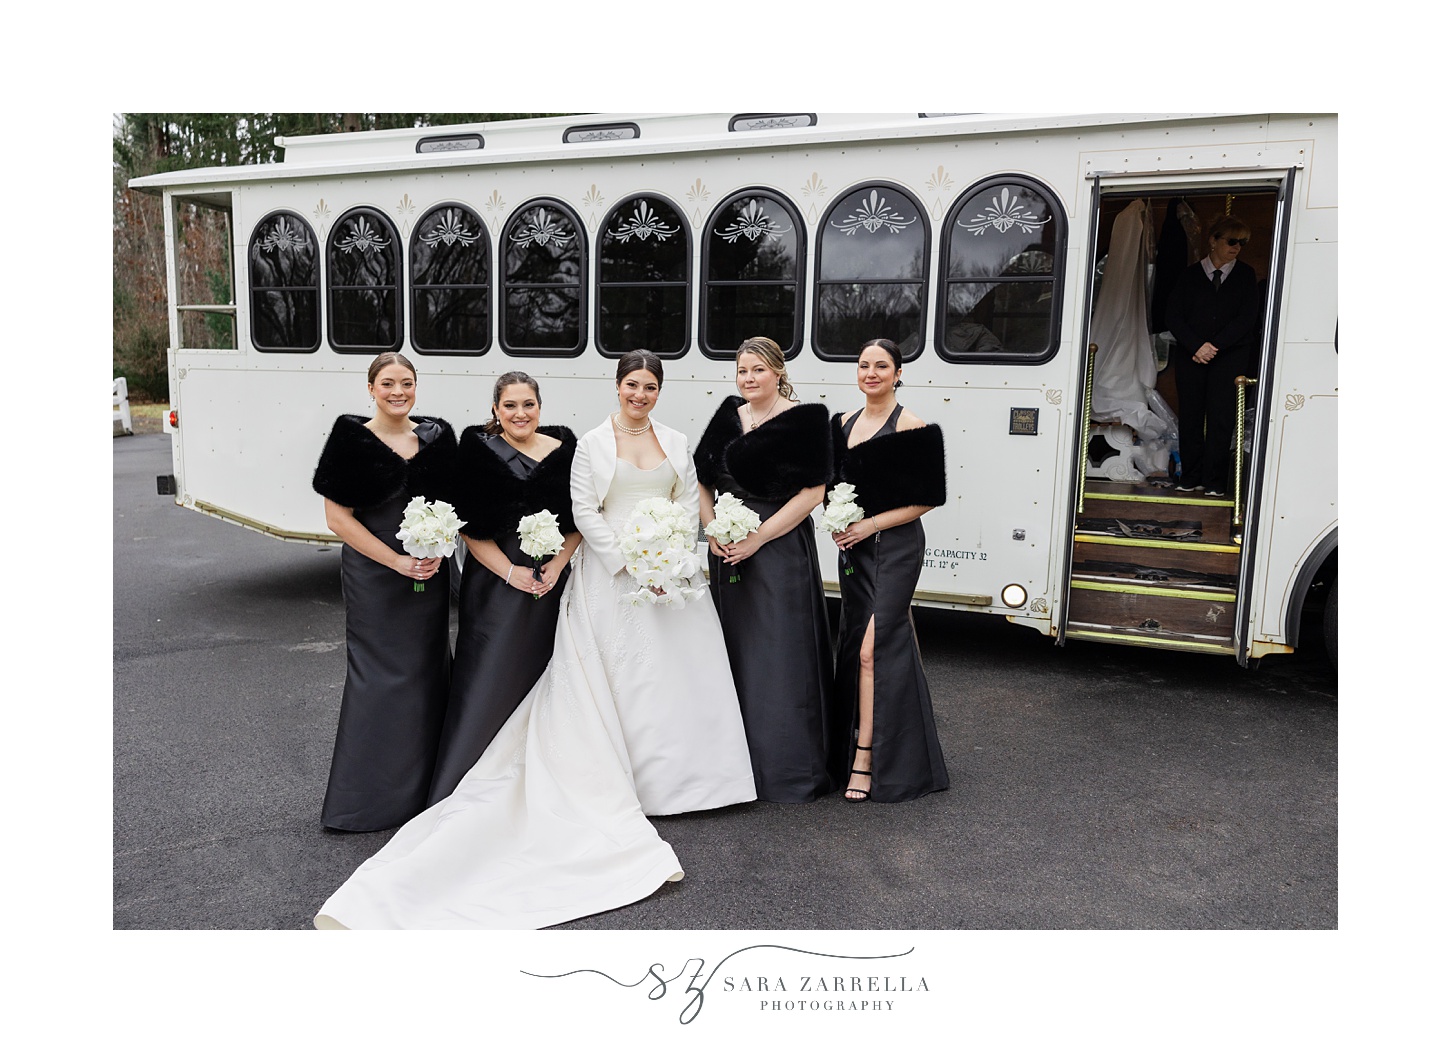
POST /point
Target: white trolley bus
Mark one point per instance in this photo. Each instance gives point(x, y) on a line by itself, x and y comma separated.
point(973, 240)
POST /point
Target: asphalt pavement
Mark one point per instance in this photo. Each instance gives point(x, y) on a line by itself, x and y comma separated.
point(1092, 786)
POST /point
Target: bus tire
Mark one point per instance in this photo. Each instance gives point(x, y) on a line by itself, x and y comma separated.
point(1332, 619)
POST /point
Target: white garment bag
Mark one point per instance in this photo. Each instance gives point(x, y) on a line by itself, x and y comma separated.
point(1124, 372)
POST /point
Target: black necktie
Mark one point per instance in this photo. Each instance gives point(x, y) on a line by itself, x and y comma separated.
point(1217, 275)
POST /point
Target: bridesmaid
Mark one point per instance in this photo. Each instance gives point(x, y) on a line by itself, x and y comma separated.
point(508, 468)
point(398, 657)
point(773, 453)
point(897, 463)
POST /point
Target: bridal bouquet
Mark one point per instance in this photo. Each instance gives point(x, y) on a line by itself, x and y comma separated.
point(659, 547)
point(430, 530)
point(733, 521)
point(841, 511)
point(540, 538)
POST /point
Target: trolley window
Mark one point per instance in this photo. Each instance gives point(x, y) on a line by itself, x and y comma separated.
point(1002, 287)
point(754, 274)
point(283, 274)
point(644, 279)
point(871, 277)
point(543, 287)
point(364, 302)
point(448, 268)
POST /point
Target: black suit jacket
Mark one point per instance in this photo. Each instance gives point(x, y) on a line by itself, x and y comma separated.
point(1228, 319)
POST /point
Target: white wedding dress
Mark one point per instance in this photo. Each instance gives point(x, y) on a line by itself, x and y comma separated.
point(636, 715)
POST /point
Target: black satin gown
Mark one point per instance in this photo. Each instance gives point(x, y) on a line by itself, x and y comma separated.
point(906, 756)
point(778, 638)
point(397, 682)
point(505, 639)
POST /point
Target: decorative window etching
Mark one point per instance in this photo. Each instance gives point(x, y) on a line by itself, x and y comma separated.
point(359, 235)
point(450, 230)
point(642, 224)
point(1003, 214)
point(752, 222)
point(874, 214)
point(282, 238)
point(540, 229)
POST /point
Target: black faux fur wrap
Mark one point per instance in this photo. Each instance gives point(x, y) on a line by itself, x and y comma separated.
point(358, 470)
point(788, 453)
point(900, 469)
point(492, 498)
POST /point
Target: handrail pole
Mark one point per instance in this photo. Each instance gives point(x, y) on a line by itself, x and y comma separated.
point(1087, 415)
point(1240, 383)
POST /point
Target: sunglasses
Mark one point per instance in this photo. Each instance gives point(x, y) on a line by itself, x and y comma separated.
point(1237, 242)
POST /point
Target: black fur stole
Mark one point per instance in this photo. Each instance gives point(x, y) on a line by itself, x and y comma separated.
point(788, 453)
point(900, 469)
point(492, 498)
point(358, 470)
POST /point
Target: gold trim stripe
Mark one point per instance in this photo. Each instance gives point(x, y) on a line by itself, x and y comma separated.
point(930, 595)
point(262, 527)
point(1124, 541)
point(1157, 642)
point(1203, 501)
point(1158, 592)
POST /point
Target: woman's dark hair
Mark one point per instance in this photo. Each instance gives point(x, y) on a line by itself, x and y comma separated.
point(640, 359)
point(890, 347)
point(389, 358)
point(514, 376)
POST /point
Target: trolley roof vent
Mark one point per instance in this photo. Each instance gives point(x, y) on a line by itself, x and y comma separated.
point(601, 132)
point(772, 120)
point(451, 143)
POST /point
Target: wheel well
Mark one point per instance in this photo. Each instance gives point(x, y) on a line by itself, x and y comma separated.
point(1312, 584)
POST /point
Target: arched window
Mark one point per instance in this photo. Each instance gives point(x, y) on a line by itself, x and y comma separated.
point(871, 272)
point(644, 279)
point(1002, 293)
point(364, 303)
point(283, 274)
point(754, 274)
point(543, 287)
point(448, 269)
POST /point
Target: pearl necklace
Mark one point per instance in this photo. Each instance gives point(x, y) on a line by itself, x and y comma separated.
point(756, 423)
point(615, 417)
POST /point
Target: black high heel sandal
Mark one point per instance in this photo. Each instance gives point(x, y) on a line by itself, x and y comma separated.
point(865, 794)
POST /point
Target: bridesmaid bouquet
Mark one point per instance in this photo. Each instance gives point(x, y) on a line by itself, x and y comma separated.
point(659, 546)
point(430, 530)
point(540, 538)
point(841, 511)
point(733, 521)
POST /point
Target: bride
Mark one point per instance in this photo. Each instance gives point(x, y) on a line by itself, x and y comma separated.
point(636, 715)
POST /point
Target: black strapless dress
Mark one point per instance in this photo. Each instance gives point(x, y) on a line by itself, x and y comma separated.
point(505, 637)
point(777, 632)
point(906, 756)
point(398, 678)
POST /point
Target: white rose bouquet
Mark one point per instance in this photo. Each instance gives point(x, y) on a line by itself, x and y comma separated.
point(658, 543)
point(733, 521)
point(841, 511)
point(430, 530)
point(540, 538)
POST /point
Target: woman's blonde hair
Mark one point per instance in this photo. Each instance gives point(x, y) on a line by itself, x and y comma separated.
point(769, 352)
